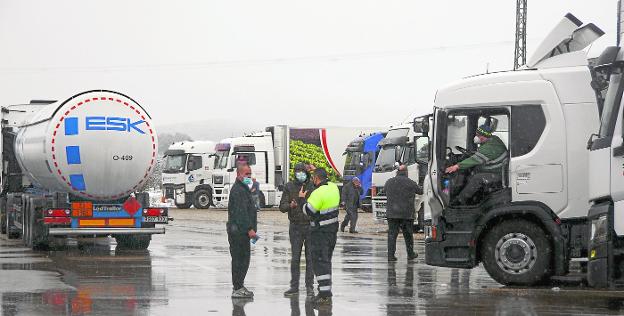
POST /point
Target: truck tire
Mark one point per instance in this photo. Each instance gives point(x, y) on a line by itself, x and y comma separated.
point(262, 200)
point(202, 199)
point(517, 252)
point(133, 242)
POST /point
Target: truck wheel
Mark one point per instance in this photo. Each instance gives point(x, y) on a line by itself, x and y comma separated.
point(262, 200)
point(203, 199)
point(133, 242)
point(517, 252)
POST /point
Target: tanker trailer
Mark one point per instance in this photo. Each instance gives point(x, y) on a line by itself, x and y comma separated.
point(73, 168)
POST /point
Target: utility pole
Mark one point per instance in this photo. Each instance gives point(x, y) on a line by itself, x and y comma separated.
point(521, 20)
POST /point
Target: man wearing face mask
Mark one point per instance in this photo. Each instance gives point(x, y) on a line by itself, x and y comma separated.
point(241, 227)
point(299, 229)
point(488, 161)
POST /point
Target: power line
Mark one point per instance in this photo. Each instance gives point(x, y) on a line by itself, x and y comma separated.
point(251, 62)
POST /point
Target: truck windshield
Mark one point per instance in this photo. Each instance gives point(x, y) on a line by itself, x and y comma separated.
point(175, 164)
point(387, 157)
point(221, 159)
point(611, 105)
point(353, 159)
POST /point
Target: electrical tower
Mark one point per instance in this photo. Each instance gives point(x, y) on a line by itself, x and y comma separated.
point(521, 20)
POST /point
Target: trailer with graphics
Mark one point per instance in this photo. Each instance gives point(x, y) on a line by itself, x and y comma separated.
point(273, 153)
point(74, 168)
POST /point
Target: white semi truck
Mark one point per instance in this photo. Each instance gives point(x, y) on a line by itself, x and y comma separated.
point(402, 145)
point(273, 153)
point(187, 174)
point(73, 168)
point(529, 224)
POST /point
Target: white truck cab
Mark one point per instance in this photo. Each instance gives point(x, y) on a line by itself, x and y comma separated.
point(187, 174)
point(526, 224)
point(403, 144)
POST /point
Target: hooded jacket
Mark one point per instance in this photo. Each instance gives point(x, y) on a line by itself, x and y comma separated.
point(291, 193)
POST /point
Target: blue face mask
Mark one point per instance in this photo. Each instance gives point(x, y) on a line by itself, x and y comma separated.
point(301, 176)
point(247, 181)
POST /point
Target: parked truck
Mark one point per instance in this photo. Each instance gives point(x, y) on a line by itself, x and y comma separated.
point(529, 224)
point(403, 145)
point(187, 174)
point(361, 154)
point(273, 153)
point(74, 168)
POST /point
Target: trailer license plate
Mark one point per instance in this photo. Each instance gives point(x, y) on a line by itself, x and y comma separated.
point(155, 219)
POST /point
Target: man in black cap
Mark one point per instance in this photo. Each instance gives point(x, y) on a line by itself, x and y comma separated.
point(299, 228)
point(401, 192)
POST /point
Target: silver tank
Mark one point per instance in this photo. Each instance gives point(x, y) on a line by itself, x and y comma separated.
point(99, 145)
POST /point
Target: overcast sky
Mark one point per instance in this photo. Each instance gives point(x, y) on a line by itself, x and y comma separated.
point(349, 62)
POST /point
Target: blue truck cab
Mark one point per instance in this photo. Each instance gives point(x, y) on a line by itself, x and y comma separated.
point(361, 154)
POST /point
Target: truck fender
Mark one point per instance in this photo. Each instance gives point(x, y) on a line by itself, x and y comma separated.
point(546, 217)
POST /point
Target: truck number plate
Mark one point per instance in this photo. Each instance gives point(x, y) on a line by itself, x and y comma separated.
point(155, 219)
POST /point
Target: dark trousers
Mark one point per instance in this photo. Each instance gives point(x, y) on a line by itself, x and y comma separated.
point(350, 218)
point(323, 243)
point(241, 253)
point(476, 182)
point(300, 238)
point(405, 225)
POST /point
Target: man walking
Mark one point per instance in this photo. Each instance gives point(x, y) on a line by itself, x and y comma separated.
point(351, 198)
point(299, 229)
point(322, 208)
point(401, 191)
point(241, 227)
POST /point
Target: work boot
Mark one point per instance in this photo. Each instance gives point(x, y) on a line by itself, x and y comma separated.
point(412, 257)
point(291, 292)
point(392, 258)
point(353, 231)
point(242, 293)
point(342, 227)
point(310, 292)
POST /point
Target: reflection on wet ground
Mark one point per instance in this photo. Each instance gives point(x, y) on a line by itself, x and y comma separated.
point(186, 272)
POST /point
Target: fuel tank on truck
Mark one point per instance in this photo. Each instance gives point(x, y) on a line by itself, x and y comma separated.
point(98, 145)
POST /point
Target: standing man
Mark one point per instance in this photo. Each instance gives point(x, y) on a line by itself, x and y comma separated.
point(322, 208)
point(241, 227)
point(401, 191)
point(299, 229)
point(351, 198)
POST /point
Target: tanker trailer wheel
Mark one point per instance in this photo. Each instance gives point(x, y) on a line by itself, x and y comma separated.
point(202, 199)
point(517, 252)
point(134, 242)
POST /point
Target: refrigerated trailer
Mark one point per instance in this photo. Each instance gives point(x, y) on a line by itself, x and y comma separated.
point(74, 168)
point(273, 153)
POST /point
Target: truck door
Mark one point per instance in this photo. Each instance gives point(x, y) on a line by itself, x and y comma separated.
point(194, 171)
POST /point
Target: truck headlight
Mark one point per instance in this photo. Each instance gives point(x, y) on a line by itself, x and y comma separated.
point(599, 229)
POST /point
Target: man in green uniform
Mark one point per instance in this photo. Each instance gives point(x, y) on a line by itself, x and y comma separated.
point(322, 209)
point(489, 161)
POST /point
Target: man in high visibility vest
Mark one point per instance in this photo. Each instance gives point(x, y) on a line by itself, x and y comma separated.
point(322, 209)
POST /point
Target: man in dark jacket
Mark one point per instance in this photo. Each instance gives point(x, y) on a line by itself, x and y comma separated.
point(401, 191)
point(351, 199)
point(299, 229)
point(241, 227)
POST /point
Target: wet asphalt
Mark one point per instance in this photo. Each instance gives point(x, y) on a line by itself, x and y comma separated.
point(187, 272)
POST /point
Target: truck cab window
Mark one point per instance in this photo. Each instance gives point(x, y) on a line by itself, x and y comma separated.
point(194, 163)
point(476, 155)
point(527, 125)
point(248, 158)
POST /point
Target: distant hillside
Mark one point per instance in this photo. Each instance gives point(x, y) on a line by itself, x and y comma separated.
point(214, 130)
